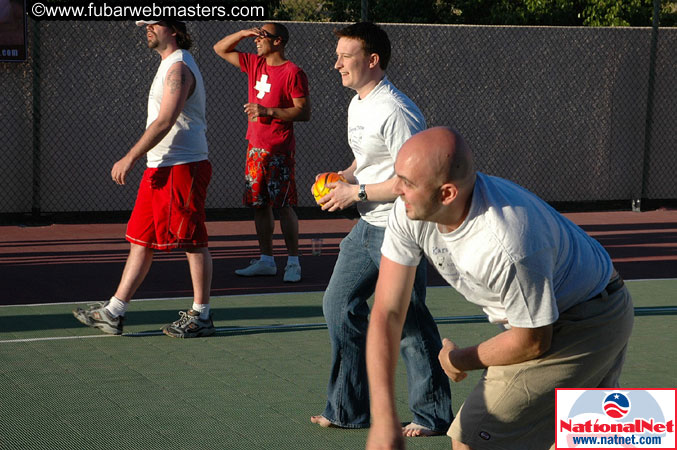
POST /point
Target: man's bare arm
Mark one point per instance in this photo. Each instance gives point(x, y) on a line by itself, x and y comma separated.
point(392, 297)
point(300, 112)
point(225, 48)
point(179, 84)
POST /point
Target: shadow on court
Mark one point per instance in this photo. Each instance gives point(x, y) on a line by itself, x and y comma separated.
point(158, 318)
point(83, 263)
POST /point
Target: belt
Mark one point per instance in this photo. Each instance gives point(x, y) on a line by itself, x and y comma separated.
point(615, 284)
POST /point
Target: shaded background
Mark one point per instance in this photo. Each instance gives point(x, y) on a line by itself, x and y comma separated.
point(578, 115)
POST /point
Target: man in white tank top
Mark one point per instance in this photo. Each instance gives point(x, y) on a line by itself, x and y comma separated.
point(170, 207)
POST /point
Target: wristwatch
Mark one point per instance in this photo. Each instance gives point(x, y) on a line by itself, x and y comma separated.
point(362, 194)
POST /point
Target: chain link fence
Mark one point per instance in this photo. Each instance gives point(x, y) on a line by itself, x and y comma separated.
point(562, 111)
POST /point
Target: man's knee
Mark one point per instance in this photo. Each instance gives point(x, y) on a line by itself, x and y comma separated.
point(263, 210)
point(137, 249)
point(331, 306)
point(286, 212)
point(456, 445)
point(197, 250)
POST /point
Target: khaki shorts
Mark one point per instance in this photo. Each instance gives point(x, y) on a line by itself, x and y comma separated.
point(513, 407)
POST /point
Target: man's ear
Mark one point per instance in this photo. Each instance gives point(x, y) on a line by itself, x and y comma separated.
point(448, 193)
point(374, 60)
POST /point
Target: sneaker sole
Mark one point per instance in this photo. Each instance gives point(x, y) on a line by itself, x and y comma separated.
point(202, 333)
point(85, 320)
point(107, 328)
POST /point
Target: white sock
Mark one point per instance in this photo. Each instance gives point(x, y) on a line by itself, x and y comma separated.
point(202, 309)
point(268, 259)
point(117, 307)
point(293, 260)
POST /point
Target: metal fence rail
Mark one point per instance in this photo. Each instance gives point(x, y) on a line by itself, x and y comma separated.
point(562, 111)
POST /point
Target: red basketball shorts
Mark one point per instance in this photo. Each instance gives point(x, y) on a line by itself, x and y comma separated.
point(269, 179)
point(170, 207)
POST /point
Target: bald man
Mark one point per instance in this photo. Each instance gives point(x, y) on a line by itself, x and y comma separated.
point(565, 314)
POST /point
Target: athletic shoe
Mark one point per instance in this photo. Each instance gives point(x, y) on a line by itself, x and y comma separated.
point(257, 268)
point(292, 273)
point(97, 316)
point(190, 325)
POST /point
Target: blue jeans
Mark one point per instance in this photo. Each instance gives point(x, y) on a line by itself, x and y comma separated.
point(346, 312)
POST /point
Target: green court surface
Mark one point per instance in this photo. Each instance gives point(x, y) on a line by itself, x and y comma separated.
point(253, 385)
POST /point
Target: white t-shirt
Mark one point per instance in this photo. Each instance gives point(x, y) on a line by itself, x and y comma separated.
point(514, 255)
point(187, 140)
point(378, 125)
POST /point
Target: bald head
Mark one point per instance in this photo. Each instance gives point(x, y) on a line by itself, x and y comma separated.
point(442, 154)
point(436, 177)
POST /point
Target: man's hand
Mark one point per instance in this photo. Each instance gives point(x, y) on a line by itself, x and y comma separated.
point(254, 110)
point(341, 196)
point(253, 32)
point(121, 169)
point(452, 372)
point(385, 437)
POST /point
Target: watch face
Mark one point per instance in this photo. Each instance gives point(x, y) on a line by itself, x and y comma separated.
point(362, 194)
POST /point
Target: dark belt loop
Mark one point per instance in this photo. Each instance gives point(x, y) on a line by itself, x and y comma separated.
point(615, 284)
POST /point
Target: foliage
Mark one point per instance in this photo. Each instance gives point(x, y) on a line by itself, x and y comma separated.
point(484, 12)
point(302, 10)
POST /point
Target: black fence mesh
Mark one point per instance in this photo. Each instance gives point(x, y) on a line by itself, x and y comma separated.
point(562, 111)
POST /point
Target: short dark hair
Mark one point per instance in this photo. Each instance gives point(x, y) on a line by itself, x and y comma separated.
point(373, 38)
point(281, 32)
point(183, 39)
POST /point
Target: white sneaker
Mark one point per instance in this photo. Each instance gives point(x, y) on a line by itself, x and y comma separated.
point(257, 268)
point(292, 273)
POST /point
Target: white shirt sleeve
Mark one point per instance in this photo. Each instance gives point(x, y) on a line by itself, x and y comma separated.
point(529, 294)
point(397, 129)
point(399, 243)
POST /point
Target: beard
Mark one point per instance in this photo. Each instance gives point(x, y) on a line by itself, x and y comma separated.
point(153, 42)
point(426, 210)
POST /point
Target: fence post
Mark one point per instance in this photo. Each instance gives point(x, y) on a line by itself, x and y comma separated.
point(637, 202)
point(37, 174)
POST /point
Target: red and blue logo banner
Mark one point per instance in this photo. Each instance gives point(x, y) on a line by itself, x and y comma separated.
point(615, 418)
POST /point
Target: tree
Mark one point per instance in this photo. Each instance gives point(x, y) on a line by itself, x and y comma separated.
point(302, 10)
point(483, 12)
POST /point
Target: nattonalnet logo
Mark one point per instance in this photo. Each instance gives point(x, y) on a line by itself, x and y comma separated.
point(608, 419)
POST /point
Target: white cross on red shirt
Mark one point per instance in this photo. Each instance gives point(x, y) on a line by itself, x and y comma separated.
point(262, 86)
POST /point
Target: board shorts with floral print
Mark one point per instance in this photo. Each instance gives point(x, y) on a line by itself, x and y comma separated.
point(269, 179)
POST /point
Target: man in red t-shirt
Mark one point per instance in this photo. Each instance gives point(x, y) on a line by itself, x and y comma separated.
point(278, 96)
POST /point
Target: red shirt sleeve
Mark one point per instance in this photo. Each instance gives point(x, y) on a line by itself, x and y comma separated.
point(299, 85)
point(244, 61)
